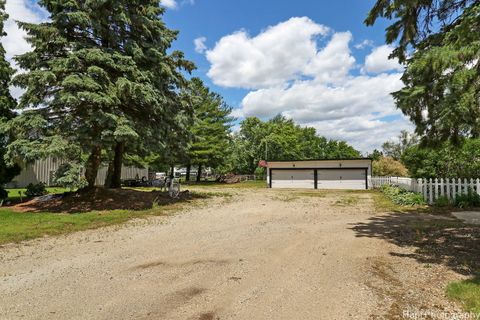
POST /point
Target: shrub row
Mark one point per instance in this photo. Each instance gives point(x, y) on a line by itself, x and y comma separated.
point(401, 196)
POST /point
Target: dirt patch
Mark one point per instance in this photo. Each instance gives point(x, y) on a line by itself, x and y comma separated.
point(100, 199)
point(207, 316)
point(434, 239)
point(181, 264)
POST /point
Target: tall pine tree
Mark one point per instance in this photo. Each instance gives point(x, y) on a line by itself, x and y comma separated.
point(211, 128)
point(439, 40)
point(98, 77)
point(7, 105)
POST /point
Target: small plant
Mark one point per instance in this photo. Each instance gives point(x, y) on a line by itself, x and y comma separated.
point(468, 200)
point(402, 197)
point(36, 190)
point(70, 176)
point(442, 201)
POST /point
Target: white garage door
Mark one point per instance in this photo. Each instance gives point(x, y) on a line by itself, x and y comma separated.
point(293, 179)
point(342, 179)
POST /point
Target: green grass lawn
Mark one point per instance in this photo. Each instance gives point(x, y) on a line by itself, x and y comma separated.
point(15, 226)
point(467, 292)
point(17, 194)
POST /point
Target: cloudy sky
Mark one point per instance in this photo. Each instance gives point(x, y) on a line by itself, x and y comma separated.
point(312, 61)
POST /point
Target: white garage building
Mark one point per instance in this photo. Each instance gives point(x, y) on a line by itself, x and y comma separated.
point(320, 174)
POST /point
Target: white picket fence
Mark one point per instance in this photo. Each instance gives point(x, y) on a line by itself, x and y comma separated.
point(432, 189)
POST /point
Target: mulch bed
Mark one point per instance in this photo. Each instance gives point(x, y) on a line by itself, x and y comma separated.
point(99, 199)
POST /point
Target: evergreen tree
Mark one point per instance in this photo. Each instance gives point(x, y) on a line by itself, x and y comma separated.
point(211, 128)
point(99, 77)
point(7, 105)
point(440, 43)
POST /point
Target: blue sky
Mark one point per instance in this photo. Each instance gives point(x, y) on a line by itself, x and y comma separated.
point(313, 61)
point(214, 19)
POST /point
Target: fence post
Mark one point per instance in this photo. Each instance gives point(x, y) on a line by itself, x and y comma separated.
point(424, 189)
point(442, 190)
point(435, 193)
point(478, 185)
point(465, 186)
point(454, 189)
point(448, 189)
point(430, 194)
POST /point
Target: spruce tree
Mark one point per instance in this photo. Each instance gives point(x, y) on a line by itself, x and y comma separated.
point(211, 128)
point(439, 40)
point(98, 77)
point(7, 106)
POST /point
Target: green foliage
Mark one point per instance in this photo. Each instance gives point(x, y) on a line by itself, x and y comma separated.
point(100, 73)
point(440, 93)
point(414, 21)
point(395, 149)
point(281, 139)
point(469, 200)
point(446, 160)
point(3, 194)
point(7, 105)
point(69, 175)
point(442, 201)
point(36, 190)
point(375, 155)
point(401, 196)
point(211, 127)
point(387, 166)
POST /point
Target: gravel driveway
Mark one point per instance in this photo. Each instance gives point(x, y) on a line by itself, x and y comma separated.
point(260, 254)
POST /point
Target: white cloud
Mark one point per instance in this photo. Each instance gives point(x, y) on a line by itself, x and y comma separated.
point(200, 46)
point(278, 54)
point(364, 44)
point(300, 69)
point(175, 4)
point(20, 10)
point(377, 61)
point(171, 4)
point(15, 43)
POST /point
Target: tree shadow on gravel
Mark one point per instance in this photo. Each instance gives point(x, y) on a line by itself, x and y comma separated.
point(101, 199)
point(436, 239)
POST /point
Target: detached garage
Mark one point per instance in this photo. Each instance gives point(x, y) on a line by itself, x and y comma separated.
point(320, 174)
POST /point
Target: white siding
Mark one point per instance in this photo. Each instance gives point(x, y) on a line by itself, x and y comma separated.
point(44, 169)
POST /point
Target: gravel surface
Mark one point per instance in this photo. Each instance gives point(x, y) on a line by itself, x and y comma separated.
point(260, 254)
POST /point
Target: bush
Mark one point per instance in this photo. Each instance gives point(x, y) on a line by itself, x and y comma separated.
point(468, 200)
point(387, 166)
point(442, 202)
point(36, 190)
point(401, 196)
point(70, 176)
point(3, 194)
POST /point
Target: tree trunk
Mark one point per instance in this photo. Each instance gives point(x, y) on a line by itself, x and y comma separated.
point(93, 163)
point(199, 173)
point(117, 165)
point(172, 172)
point(187, 176)
point(108, 178)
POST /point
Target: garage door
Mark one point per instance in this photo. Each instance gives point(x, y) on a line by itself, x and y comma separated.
point(293, 179)
point(342, 179)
